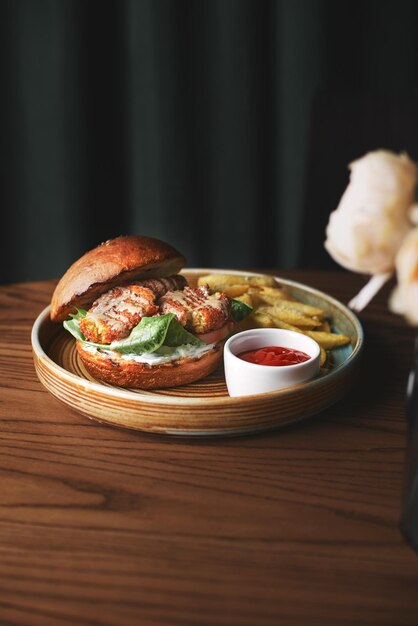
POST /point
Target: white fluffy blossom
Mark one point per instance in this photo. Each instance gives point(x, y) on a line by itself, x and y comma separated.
point(366, 230)
point(404, 298)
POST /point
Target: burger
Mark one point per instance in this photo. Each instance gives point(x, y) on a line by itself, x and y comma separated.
point(136, 320)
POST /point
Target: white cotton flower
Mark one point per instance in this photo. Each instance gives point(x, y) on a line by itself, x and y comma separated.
point(366, 230)
point(404, 298)
point(413, 214)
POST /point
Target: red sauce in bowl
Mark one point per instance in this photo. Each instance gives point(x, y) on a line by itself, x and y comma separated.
point(274, 355)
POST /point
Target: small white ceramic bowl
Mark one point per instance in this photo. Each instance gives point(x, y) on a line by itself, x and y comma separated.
point(245, 379)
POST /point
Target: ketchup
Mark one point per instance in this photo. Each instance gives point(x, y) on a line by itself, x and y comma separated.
point(274, 355)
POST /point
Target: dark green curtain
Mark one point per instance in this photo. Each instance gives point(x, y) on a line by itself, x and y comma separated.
point(222, 126)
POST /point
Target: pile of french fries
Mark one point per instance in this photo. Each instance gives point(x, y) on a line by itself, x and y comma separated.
point(273, 307)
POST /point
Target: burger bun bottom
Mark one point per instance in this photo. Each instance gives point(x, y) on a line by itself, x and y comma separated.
point(115, 370)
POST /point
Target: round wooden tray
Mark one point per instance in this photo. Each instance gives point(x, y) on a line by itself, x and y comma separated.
point(204, 407)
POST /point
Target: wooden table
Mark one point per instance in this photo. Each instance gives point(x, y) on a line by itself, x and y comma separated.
point(105, 526)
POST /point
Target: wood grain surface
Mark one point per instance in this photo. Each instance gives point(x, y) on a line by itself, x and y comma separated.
point(108, 527)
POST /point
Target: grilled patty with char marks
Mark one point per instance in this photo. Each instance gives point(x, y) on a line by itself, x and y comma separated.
point(197, 309)
point(115, 313)
point(160, 286)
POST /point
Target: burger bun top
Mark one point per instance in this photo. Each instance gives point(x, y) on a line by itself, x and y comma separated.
point(114, 262)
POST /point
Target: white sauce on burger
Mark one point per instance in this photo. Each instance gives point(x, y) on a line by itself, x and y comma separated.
point(162, 355)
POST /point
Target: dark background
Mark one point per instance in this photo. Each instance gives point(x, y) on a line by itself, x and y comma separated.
point(222, 126)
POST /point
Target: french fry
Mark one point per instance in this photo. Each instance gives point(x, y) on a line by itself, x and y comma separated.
point(233, 291)
point(221, 282)
point(273, 307)
point(276, 297)
point(325, 326)
point(232, 285)
point(246, 298)
point(328, 341)
point(265, 320)
point(264, 280)
point(305, 309)
point(266, 295)
point(269, 291)
point(290, 315)
point(262, 320)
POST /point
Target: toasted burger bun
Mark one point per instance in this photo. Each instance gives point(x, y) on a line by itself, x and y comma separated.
point(114, 262)
point(113, 369)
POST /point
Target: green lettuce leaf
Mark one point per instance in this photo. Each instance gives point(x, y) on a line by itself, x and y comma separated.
point(79, 315)
point(240, 310)
point(73, 327)
point(148, 336)
point(177, 335)
point(153, 332)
